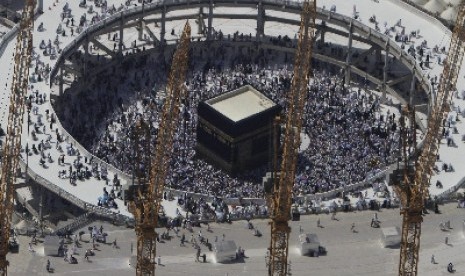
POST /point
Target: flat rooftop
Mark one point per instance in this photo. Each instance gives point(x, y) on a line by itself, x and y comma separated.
point(241, 103)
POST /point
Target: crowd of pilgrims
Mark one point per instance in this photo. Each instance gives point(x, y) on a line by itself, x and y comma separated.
point(351, 135)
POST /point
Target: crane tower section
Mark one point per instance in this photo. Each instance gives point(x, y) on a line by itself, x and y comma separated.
point(282, 190)
point(146, 205)
point(413, 192)
point(12, 147)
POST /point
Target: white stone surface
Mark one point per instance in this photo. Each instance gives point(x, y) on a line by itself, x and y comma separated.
point(241, 103)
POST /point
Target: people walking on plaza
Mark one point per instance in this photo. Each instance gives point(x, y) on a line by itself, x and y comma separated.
point(374, 223)
point(333, 216)
point(352, 228)
point(114, 244)
point(197, 255)
point(183, 240)
point(433, 260)
point(34, 237)
point(450, 268)
point(194, 243)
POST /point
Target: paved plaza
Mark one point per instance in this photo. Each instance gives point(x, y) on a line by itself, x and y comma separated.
point(349, 253)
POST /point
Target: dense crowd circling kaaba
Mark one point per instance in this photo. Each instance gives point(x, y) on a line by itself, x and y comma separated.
point(350, 135)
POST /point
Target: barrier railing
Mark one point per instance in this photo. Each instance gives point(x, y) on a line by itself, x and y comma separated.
point(447, 193)
point(261, 201)
point(420, 11)
point(7, 38)
point(12, 33)
point(101, 211)
point(348, 188)
point(7, 22)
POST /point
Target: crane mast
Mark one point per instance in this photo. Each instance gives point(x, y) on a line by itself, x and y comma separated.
point(141, 146)
point(413, 192)
point(147, 203)
point(282, 191)
point(12, 147)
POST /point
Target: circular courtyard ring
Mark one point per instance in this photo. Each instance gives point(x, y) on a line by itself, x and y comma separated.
point(343, 26)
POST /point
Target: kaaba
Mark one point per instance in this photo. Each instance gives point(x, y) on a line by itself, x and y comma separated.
point(235, 129)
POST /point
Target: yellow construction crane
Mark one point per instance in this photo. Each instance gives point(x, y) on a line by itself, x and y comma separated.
point(146, 204)
point(141, 145)
point(413, 189)
point(282, 191)
point(12, 147)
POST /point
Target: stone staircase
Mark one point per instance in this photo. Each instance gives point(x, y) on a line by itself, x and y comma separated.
point(76, 224)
